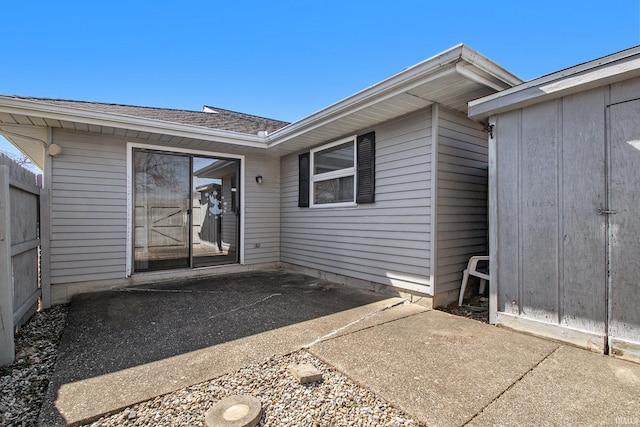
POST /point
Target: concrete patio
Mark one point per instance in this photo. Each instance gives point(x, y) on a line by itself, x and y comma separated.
point(127, 346)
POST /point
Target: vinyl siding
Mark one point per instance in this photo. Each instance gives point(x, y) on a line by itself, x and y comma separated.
point(88, 208)
point(462, 196)
point(262, 210)
point(384, 242)
point(229, 218)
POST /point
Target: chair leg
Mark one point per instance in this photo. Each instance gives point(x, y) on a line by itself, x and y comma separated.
point(483, 283)
point(465, 278)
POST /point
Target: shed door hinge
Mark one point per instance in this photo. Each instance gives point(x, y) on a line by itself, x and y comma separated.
point(489, 129)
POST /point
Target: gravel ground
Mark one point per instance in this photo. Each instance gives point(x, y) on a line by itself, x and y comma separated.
point(24, 383)
point(334, 401)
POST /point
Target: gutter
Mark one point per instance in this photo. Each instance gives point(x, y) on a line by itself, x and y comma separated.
point(450, 61)
point(57, 112)
point(459, 59)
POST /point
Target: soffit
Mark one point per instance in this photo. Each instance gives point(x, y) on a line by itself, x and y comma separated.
point(21, 118)
point(599, 72)
point(451, 79)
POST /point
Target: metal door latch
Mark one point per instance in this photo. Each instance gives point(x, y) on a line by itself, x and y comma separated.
point(602, 211)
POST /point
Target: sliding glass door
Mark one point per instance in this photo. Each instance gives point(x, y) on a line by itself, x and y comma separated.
point(215, 211)
point(186, 211)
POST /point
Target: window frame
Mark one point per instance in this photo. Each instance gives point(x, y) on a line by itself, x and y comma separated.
point(327, 176)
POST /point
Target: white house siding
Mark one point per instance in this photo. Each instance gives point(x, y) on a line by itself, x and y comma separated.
point(385, 242)
point(462, 196)
point(88, 208)
point(229, 218)
point(262, 210)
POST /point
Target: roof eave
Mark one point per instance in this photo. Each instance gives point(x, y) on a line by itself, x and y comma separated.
point(57, 112)
point(599, 72)
point(446, 62)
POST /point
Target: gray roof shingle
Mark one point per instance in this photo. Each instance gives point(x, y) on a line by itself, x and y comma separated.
point(218, 118)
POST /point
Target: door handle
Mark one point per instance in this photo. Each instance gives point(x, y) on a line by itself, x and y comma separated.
point(602, 211)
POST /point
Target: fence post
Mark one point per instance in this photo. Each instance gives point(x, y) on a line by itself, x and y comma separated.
point(7, 345)
point(45, 244)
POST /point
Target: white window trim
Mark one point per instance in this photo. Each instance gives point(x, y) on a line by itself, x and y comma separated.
point(334, 174)
point(130, 147)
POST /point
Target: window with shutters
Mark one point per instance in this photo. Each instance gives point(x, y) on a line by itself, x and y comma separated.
point(333, 174)
point(339, 174)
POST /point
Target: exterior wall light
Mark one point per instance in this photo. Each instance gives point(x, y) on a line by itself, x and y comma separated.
point(259, 179)
point(54, 150)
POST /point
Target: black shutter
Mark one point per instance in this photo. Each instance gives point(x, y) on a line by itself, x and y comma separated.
point(366, 175)
point(303, 180)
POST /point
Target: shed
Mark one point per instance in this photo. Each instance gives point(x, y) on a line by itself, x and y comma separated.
point(564, 156)
point(395, 185)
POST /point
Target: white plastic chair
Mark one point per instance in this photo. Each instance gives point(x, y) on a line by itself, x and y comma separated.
point(472, 270)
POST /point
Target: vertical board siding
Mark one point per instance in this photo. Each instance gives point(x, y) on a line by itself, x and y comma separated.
point(462, 196)
point(583, 234)
point(507, 227)
point(88, 208)
point(538, 206)
point(624, 228)
point(384, 242)
point(550, 166)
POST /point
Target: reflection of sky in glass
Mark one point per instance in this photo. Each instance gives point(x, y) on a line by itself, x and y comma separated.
point(334, 158)
point(198, 164)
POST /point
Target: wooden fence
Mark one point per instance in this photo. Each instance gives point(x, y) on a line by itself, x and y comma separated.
point(20, 287)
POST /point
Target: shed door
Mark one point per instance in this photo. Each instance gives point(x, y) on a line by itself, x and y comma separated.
point(624, 226)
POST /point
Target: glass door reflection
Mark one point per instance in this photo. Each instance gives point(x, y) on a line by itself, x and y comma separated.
point(161, 204)
point(215, 211)
point(186, 211)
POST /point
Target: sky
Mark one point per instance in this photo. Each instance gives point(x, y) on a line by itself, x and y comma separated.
point(282, 59)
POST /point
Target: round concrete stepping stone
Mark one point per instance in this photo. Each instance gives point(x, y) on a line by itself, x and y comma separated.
point(234, 411)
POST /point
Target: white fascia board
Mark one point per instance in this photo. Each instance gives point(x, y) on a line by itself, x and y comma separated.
point(325, 117)
point(421, 73)
point(609, 69)
point(56, 112)
point(468, 72)
point(389, 87)
point(481, 62)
